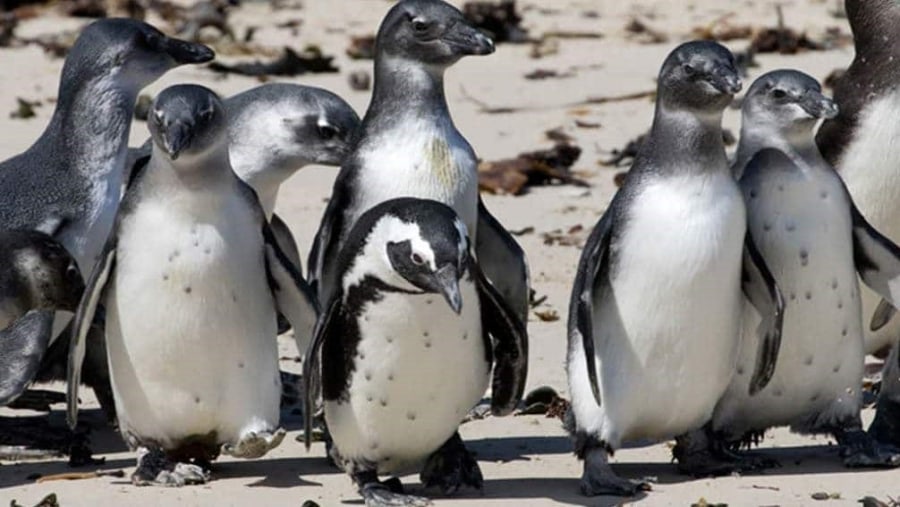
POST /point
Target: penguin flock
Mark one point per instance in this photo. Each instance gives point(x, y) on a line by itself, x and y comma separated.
point(713, 300)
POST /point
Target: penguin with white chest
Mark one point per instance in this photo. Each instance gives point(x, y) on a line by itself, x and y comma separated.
point(408, 146)
point(815, 241)
point(405, 348)
point(192, 280)
point(655, 308)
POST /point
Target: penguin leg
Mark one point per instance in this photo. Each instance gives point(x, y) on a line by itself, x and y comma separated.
point(452, 466)
point(598, 477)
point(861, 450)
point(255, 444)
point(702, 453)
point(154, 468)
point(384, 494)
point(885, 429)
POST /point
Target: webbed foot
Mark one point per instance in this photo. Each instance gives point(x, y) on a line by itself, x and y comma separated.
point(155, 469)
point(599, 479)
point(254, 444)
point(860, 450)
point(452, 466)
point(885, 429)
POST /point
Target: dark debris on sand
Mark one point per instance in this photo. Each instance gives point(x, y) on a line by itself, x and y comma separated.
point(289, 64)
point(513, 176)
point(500, 20)
point(48, 501)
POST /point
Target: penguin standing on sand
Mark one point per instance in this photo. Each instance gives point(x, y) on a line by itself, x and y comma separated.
point(405, 348)
point(192, 280)
point(408, 146)
point(655, 309)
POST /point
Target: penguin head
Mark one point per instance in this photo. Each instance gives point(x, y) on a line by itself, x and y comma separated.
point(132, 53)
point(415, 245)
point(44, 266)
point(786, 102)
point(187, 122)
point(432, 32)
point(698, 76)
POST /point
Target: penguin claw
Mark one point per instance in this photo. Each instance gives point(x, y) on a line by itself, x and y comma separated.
point(450, 467)
point(380, 495)
point(254, 444)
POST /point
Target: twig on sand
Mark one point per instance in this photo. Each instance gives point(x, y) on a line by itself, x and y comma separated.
point(486, 108)
point(78, 476)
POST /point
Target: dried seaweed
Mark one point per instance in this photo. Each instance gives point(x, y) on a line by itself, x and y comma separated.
point(360, 80)
point(25, 109)
point(513, 176)
point(500, 20)
point(290, 63)
point(641, 32)
point(362, 47)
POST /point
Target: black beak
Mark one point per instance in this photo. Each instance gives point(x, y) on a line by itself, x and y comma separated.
point(447, 281)
point(184, 52)
point(726, 80)
point(818, 105)
point(465, 39)
point(176, 137)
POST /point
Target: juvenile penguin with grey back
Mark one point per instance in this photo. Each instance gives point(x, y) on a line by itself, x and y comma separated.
point(192, 280)
point(67, 184)
point(656, 302)
point(405, 348)
point(815, 241)
point(409, 146)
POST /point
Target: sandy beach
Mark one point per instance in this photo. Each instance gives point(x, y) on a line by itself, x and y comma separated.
point(526, 460)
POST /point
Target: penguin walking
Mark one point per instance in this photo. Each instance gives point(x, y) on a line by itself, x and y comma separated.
point(37, 277)
point(408, 146)
point(68, 183)
point(405, 348)
point(655, 309)
point(815, 241)
point(191, 279)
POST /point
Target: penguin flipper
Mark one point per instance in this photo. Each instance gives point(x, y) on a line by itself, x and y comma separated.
point(760, 288)
point(509, 343)
point(878, 264)
point(312, 372)
point(594, 261)
point(326, 242)
point(286, 241)
point(293, 296)
point(84, 317)
point(24, 342)
point(503, 261)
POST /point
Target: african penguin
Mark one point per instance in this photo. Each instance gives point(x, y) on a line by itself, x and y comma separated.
point(191, 279)
point(408, 146)
point(405, 348)
point(655, 308)
point(815, 241)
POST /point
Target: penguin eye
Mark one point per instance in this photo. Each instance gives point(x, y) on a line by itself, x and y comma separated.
point(72, 272)
point(778, 93)
point(689, 69)
point(328, 132)
point(420, 26)
point(417, 259)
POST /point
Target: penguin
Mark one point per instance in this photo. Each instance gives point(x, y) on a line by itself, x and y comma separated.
point(815, 241)
point(192, 279)
point(405, 348)
point(408, 146)
point(656, 301)
point(37, 277)
point(68, 183)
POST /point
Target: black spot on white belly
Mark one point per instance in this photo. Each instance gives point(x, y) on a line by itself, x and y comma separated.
point(187, 290)
point(834, 284)
point(234, 297)
point(389, 339)
point(390, 377)
point(383, 402)
point(808, 361)
point(241, 364)
point(196, 242)
point(427, 344)
point(360, 355)
point(790, 226)
point(804, 257)
point(753, 193)
point(808, 295)
point(844, 332)
point(425, 334)
point(793, 296)
point(165, 277)
point(814, 397)
point(373, 445)
point(836, 369)
point(428, 301)
point(368, 375)
point(466, 335)
point(196, 399)
point(369, 399)
point(767, 227)
point(207, 250)
point(781, 188)
point(840, 304)
point(411, 416)
point(740, 370)
point(824, 194)
point(777, 391)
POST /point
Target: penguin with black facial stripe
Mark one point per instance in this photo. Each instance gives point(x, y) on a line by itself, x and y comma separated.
point(405, 348)
point(191, 279)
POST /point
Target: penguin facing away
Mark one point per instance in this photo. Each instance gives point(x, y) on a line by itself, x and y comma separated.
point(408, 146)
point(67, 184)
point(192, 280)
point(815, 241)
point(405, 348)
point(672, 240)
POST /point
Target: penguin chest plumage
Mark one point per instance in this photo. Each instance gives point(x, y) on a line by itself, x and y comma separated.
point(802, 226)
point(424, 159)
point(191, 321)
point(418, 369)
point(870, 161)
point(668, 321)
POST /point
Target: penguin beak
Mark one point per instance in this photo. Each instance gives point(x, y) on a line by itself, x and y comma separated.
point(184, 52)
point(465, 39)
point(818, 105)
point(726, 80)
point(176, 138)
point(447, 281)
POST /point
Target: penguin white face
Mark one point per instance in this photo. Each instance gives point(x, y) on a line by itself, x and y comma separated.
point(321, 134)
point(699, 76)
point(788, 102)
point(187, 121)
point(430, 31)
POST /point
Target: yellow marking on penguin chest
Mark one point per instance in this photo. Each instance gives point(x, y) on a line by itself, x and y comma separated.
point(440, 160)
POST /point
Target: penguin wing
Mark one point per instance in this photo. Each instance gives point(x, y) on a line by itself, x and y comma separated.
point(326, 243)
point(878, 264)
point(286, 241)
point(594, 261)
point(760, 288)
point(503, 261)
point(24, 343)
point(312, 373)
point(509, 342)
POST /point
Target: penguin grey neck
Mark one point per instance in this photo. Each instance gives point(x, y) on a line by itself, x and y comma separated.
point(404, 89)
point(798, 143)
point(196, 173)
point(686, 141)
point(265, 171)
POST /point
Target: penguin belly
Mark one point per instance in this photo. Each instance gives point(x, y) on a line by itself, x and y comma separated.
point(666, 327)
point(869, 162)
point(191, 325)
point(802, 228)
point(418, 370)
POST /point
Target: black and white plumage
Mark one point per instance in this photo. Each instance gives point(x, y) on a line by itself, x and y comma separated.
point(655, 308)
point(405, 348)
point(409, 147)
point(814, 240)
point(68, 183)
point(192, 280)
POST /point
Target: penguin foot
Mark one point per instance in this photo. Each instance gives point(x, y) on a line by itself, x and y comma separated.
point(599, 479)
point(254, 444)
point(885, 429)
point(860, 450)
point(701, 453)
point(452, 466)
point(377, 494)
point(155, 469)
